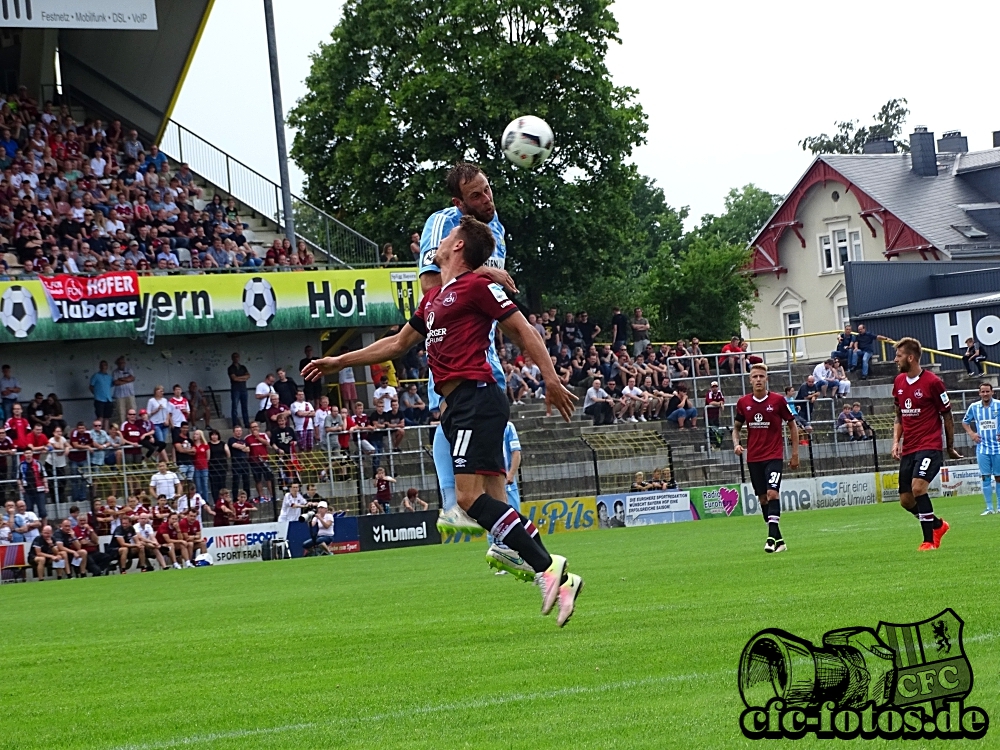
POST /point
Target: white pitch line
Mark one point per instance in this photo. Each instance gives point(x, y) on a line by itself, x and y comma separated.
point(499, 700)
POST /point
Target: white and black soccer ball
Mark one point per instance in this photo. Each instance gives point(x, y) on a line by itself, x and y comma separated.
point(527, 142)
point(18, 311)
point(259, 302)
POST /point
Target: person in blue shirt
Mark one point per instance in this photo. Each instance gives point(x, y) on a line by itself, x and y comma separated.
point(8, 144)
point(155, 157)
point(100, 386)
point(983, 416)
point(864, 349)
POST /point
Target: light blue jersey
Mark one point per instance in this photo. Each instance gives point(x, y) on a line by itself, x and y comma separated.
point(985, 420)
point(438, 226)
point(511, 443)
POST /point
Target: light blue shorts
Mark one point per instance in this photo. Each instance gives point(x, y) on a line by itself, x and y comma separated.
point(988, 465)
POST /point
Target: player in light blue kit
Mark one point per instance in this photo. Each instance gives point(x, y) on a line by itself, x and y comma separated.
point(985, 414)
point(471, 195)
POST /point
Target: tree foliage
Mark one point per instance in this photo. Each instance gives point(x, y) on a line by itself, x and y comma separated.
point(407, 87)
point(747, 209)
point(850, 139)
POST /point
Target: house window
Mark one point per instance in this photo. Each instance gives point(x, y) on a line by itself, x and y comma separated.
point(843, 315)
point(826, 253)
point(793, 329)
point(857, 252)
point(838, 247)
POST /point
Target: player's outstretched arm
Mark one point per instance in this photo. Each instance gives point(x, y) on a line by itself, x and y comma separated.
point(949, 435)
point(382, 350)
point(517, 328)
point(432, 279)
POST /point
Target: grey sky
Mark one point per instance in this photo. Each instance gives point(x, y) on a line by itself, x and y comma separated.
point(729, 88)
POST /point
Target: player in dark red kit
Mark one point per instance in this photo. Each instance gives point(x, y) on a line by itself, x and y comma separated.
point(763, 412)
point(922, 404)
point(456, 319)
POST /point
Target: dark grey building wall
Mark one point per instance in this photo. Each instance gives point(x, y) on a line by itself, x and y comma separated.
point(876, 285)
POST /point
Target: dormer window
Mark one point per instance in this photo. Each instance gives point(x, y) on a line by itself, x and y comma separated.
point(969, 232)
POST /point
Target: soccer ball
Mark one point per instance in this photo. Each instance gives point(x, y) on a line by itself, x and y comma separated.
point(18, 311)
point(259, 302)
point(527, 142)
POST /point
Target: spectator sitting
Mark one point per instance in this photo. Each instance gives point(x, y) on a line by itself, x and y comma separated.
point(45, 553)
point(517, 388)
point(190, 526)
point(841, 377)
point(864, 349)
point(847, 425)
point(374, 508)
point(412, 501)
point(699, 362)
point(735, 362)
point(807, 395)
point(845, 343)
point(533, 377)
point(146, 541)
point(793, 408)
point(819, 375)
point(972, 358)
point(859, 416)
point(680, 409)
point(414, 408)
point(67, 543)
point(598, 405)
point(124, 544)
point(172, 541)
point(323, 524)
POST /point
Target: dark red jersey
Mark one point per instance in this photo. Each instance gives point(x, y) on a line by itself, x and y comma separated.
point(921, 403)
point(243, 510)
point(191, 527)
point(258, 445)
point(383, 491)
point(763, 420)
point(457, 321)
point(132, 432)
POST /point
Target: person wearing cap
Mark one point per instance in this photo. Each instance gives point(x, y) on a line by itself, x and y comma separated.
point(134, 254)
point(322, 525)
point(714, 399)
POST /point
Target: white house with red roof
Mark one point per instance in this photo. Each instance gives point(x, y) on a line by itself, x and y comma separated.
point(934, 204)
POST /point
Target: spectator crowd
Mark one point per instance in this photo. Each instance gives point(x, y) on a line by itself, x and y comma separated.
point(92, 197)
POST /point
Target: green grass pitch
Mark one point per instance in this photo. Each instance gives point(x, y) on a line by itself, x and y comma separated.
point(425, 648)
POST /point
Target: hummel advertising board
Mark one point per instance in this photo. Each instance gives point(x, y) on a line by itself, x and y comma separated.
point(398, 530)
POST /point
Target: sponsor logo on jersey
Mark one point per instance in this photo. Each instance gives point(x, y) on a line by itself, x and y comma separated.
point(499, 294)
point(430, 319)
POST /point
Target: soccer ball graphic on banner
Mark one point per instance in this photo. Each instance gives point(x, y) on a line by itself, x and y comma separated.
point(527, 142)
point(18, 312)
point(259, 302)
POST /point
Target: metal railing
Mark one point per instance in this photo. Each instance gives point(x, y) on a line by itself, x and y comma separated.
point(341, 244)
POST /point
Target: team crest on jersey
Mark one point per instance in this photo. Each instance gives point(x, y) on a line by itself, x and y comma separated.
point(918, 393)
point(770, 408)
point(430, 320)
point(450, 299)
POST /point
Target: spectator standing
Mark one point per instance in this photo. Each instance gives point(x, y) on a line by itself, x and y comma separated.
point(10, 387)
point(384, 393)
point(640, 332)
point(180, 408)
point(263, 392)
point(123, 388)
point(225, 513)
point(598, 405)
point(714, 401)
point(243, 508)
point(588, 329)
point(238, 377)
point(285, 387)
point(845, 344)
point(34, 484)
point(239, 455)
point(347, 383)
point(619, 329)
point(158, 412)
point(292, 504)
point(18, 428)
point(218, 463)
point(864, 349)
point(383, 489)
point(303, 416)
point(201, 406)
point(131, 433)
point(259, 445)
point(313, 390)
point(164, 482)
point(101, 387)
point(192, 500)
point(183, 451)
point(80, 453)
point(56, 460)
point(200, 459)
point(7, 453)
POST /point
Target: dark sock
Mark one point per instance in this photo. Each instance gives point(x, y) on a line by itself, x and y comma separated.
point(773, 517)
point(532, 530)
point(504, 523)
point(925, 512)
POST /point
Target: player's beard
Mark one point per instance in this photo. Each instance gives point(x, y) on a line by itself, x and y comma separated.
point(484, 217)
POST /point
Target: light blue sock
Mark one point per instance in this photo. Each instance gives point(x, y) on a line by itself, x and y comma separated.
point(988, 491)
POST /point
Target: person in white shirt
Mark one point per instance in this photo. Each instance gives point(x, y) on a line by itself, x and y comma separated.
point(191, 499)
point(824, 376)
point(180, 408)
point(98, 163)
point(323, 522)
point(158, 411)
point(263, 392)
point(637, 401)
point(292, 504)
point(145, 540)
point(319, 420)
point(385, 392)
point(303, 415)
point(165, 483)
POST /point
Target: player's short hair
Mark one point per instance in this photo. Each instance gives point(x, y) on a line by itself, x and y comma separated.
point(758, 366)
point(986, 382)
point(478, 239)
point(910, 345)
point(460, 174)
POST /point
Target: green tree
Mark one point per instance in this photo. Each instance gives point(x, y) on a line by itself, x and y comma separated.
point(705, 291)
point(850, 139)
point(407, 87)
point(747, 209)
